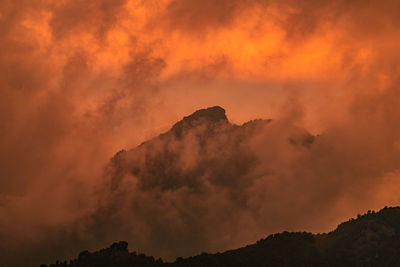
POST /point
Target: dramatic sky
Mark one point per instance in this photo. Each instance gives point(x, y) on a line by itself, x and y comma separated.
point(83, 79)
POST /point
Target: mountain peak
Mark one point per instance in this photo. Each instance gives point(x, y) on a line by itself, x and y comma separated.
point(211, 115)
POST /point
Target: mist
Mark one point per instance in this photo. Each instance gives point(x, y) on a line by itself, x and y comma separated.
point(82, 80)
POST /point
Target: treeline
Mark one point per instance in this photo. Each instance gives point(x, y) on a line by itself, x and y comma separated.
point(372, 239)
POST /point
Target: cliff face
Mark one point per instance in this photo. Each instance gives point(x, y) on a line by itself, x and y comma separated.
point(370, 240)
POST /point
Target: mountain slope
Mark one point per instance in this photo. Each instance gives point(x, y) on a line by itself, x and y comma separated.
point(198, 186)
point(199, 146)
point(370, 240)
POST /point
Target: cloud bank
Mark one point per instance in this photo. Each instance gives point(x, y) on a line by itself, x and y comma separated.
point(81, 80)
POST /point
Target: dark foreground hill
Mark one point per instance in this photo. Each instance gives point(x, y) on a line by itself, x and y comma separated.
point(372, 239)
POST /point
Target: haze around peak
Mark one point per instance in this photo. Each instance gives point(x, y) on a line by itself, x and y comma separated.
point(81, 80)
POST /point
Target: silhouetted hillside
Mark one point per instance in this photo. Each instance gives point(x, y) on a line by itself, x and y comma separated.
point(372, 239)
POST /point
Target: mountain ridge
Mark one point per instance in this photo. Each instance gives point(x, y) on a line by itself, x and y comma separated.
point(193, 183)
point(372, 239)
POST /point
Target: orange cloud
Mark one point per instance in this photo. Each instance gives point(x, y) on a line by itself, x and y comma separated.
point(81, 80)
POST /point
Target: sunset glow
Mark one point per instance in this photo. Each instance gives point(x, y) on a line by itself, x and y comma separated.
point(81, 80)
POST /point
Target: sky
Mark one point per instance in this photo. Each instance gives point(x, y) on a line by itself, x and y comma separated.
point(82, 79)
